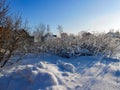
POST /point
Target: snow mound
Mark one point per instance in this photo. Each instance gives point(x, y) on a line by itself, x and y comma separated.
point(28, 77)
point(66, 66)
point(42, 65)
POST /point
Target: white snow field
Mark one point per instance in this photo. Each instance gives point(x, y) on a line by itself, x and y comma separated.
point(50, 72)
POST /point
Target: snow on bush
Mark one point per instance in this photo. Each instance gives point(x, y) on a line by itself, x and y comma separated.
point(80, 45)
point(85, 52)
point(66, 66)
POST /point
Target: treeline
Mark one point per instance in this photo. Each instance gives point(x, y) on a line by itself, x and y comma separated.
point(85, 43)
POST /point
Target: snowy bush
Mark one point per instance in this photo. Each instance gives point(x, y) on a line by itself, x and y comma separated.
point(83, 44)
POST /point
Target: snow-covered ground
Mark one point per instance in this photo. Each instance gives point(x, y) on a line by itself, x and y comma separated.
point(50, 72)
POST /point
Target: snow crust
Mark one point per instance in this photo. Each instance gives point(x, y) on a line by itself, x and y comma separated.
point(49, 72)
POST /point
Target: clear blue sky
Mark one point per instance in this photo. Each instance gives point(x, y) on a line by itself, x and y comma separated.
point(73, 15)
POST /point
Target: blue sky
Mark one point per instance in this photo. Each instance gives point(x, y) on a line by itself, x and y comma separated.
point(73, 15)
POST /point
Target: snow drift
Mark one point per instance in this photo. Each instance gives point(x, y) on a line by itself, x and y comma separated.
point(56, 73)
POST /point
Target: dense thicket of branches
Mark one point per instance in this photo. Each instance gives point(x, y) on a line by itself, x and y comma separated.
point(84, 43)
point(12, 35)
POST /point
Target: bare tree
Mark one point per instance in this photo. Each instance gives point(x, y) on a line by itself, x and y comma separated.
point(12, 35)
point(4, 8)
point(60, 29)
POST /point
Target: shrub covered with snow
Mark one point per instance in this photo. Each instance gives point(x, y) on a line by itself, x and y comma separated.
point(82, 44)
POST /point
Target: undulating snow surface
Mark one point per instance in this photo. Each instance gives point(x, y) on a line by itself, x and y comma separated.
point(49, 72)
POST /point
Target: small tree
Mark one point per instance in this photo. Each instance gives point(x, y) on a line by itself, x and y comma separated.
point(40, 33)
point(60, 29)
point(12, 36)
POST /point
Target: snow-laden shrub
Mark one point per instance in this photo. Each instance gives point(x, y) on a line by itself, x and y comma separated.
point(98, 44)
point(67, 52)
point(83, 44)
